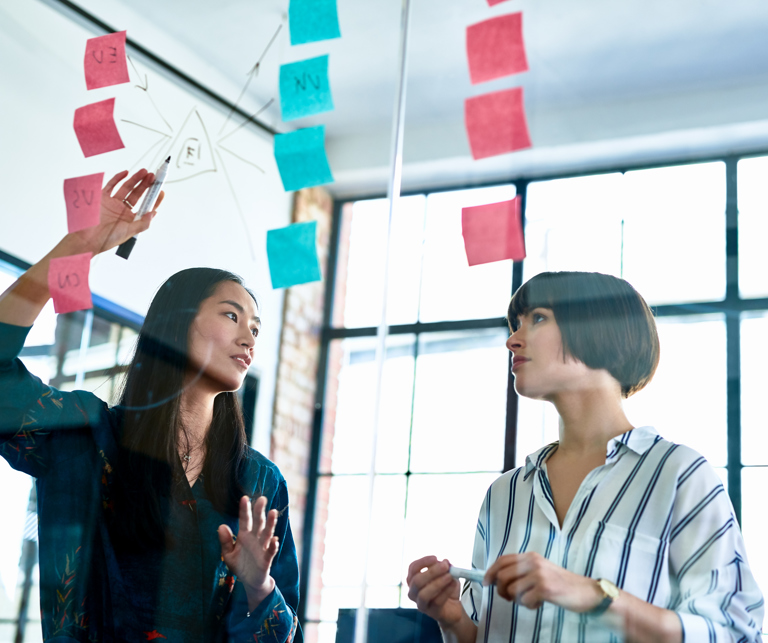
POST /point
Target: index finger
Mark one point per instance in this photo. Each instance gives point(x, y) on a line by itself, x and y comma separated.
point(502, 562)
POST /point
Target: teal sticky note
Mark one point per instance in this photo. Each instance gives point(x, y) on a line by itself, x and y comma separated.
point(313, 20)
point(301, 158)
point(292, 255)
point(304, 88)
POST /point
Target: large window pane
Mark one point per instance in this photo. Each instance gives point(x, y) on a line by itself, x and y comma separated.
point(685, 401)
point(753, 227)
point(451, 289)
point(459, 415)
point(345, 541)
point(349, 424)
point(674, 233)
point(442, 518)
point(574, 224)
point(663, 230)
point(754, 383)
point(363, 278)
point(754, 521)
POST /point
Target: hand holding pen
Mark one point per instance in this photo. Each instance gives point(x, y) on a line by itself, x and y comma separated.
point(149, 203)
point(116, 218)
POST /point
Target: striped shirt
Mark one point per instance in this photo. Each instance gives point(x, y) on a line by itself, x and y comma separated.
point(654, 519)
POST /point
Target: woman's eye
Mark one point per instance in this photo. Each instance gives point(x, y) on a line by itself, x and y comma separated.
point(232, 316)
point(537, 318)
point(255, 332)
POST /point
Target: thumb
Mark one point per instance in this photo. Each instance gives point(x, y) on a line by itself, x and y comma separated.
point(226, 540)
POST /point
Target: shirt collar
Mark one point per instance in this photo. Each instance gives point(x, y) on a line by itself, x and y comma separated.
point(638, 440)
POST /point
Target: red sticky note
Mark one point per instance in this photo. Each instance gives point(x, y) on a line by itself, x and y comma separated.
point(95, 128)
point(83, 197)
point(493, 232)
point(105, 62)
point(493, 2)
point(68, 283)
point(495, 48)
point(496, 123)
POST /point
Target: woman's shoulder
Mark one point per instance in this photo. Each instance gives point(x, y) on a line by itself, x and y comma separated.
point(260, 473)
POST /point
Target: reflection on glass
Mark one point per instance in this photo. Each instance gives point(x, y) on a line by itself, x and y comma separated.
point(754, 383)
point(459, 415)
point(754, 521)
point(635, 226)
point(364, 274)
point(441, 518)
point(753, 227)
point(685, 401)
point(354, 389)
point(450, 288)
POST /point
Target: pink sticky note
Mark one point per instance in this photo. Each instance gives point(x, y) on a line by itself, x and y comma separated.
point(496, 123)
point(68, 283)
point(95, 128)
point(105, 62)
point(493, 2)
point(493, 232)
point(83, 197)
point(495, 48)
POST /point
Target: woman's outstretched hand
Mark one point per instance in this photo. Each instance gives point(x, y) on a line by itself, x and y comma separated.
point(116, 223)
point(250, 556)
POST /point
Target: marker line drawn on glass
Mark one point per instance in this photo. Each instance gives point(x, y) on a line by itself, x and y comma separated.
point(193, 151)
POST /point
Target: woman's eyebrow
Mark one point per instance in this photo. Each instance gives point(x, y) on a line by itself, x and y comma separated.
point(240, 309)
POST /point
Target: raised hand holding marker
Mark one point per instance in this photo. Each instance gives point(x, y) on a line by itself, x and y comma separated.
point(124, 249)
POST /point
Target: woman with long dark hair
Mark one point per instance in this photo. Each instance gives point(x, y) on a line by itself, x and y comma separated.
point(612, 533)
point(156, 519)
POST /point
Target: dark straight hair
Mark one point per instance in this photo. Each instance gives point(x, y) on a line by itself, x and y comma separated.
point(149, 467)
point(604, 322)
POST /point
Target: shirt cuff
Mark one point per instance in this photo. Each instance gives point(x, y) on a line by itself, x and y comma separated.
point(695, 627)
point(272, 621)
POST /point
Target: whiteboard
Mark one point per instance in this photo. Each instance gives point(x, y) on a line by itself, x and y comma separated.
point(219, 203)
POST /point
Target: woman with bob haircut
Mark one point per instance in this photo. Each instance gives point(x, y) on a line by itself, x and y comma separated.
point(156, 519)
point(612, 532)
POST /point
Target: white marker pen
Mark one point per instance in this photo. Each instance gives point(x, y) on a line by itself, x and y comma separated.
point(476, 575)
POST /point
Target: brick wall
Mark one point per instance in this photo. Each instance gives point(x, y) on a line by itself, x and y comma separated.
point(297, 365)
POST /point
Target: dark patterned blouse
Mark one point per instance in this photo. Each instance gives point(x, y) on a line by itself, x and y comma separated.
point(88, 590)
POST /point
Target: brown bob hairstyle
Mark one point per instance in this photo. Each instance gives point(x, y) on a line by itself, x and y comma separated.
point(604, 321)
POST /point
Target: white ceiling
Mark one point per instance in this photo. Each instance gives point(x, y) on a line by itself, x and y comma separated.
point(610, 81)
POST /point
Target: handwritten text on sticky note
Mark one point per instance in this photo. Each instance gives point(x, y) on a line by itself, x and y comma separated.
point(304, 88)
point(105, 61)
point(82, 195)
point(495, 48)
point(292, 255)
point(496, 123)
point(68, 283)
point(313, 20)
point(301, 158)
point(95, 128)
point(493, 232)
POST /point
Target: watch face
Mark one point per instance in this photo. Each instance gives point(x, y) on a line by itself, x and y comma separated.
point(609, 588)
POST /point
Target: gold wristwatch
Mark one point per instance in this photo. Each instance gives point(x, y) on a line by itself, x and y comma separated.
point(610, 593)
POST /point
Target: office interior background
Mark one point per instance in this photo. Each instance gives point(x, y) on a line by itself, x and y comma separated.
point(649, 124)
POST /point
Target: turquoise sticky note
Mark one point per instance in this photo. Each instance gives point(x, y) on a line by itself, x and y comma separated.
point(313, 20)
point(301, 158)
point(292, 255)
point(304, 88)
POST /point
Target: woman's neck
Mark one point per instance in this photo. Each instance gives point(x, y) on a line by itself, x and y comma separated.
point(196, 409)
point(589, 419)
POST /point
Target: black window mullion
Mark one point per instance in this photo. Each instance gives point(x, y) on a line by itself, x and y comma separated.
point(733, 333)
